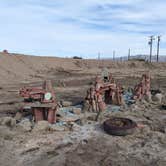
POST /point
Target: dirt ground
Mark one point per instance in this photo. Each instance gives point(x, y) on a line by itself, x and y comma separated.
point(87, 144)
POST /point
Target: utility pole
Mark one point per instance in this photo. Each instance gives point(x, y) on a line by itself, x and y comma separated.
point(99, 55)
point(129, 54)
point(151, 46)
point(158, 47)
point(113, 55)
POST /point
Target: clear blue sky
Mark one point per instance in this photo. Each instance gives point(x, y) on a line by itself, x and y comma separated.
point(81, 27)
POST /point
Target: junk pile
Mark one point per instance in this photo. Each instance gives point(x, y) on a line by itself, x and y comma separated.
point(142, 90)
point(105, 94)
point(106, 91)
point(41, 101)
point(102, 93)
point(40, 105)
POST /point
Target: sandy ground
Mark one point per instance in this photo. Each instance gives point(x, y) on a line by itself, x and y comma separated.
point(88, 144)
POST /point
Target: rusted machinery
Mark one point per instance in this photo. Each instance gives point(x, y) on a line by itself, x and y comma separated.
point(41, 101)
point(103, 93)
point(143, 88)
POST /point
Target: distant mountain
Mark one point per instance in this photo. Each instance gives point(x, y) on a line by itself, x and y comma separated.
point(142, 57)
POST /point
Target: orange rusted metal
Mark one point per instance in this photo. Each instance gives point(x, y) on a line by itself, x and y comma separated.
point(103, 93)
point(143, 88)
point(42, 101)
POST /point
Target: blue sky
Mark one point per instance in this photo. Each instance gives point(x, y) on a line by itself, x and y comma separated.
point(81, 27)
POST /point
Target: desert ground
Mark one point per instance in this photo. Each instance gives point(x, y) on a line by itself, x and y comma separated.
point(86, 144)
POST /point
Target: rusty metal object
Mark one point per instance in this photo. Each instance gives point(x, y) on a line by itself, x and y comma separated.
point(119, 126)
point(38, 114)
point(143, 88)
point(42, 101)
point(103, 93)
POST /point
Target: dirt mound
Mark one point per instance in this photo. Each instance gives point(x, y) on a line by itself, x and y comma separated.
point(16, 68)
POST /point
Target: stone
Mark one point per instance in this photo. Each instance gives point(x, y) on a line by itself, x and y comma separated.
point(66, 103)
point(157, 98)
point(148, 97)
point(70, 118)
point(42, 126)
point(18, 116)
point(8, 121)
point(75, 127)
point(77, 111)
point(60, 113)
point(25, 125)
point(57, 128)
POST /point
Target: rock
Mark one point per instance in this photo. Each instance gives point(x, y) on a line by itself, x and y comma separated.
point(57, 128)
point(148, 98)
point(135, 107)
point(75, 127)
point(157, 98)
point(70, 118)
point(42, 126)
point(8, 121)
point(18, 116)
point(77, 111)
point(25, 125)
point(91, 116)
point(66, 103)
point(145, 130)
point(60, 113)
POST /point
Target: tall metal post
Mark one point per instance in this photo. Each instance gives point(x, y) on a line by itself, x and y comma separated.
point(129, 52)
point(99, 55)
point(151, 46)
point(158, 47)
point(113, 55)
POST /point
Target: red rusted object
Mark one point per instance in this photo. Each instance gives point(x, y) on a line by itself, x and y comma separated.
point(103, 93)
point(42, 101)
point(143, 88)
point(51, 115)
point(38, 114)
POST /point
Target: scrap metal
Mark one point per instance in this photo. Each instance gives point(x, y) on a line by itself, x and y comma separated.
point(143, 88)
point(119, 126)
point(103, 93)
point(41, 101)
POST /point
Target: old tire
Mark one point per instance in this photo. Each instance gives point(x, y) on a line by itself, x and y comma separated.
point(112, 127)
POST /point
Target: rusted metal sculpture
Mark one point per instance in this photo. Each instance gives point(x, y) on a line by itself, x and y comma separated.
point(143, 88)
point(42, 101)
point(103, 93)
